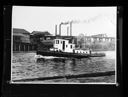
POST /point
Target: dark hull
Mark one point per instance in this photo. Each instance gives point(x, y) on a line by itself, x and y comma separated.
point(72, 55)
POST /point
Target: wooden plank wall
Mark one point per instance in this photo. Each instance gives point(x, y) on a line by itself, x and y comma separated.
point(23, 47)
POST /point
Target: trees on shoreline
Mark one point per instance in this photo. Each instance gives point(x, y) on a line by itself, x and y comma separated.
point(95, 45)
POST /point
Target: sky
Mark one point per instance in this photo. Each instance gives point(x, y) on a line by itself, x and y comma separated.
point(89, 20)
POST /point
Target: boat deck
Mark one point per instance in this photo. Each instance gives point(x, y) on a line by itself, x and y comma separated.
point(65, 54)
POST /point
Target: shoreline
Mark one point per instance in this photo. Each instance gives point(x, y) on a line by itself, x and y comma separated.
point(23, 51)
point(102, 50)
point(36, 51)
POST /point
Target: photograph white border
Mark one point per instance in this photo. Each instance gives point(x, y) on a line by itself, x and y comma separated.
point(94, 83)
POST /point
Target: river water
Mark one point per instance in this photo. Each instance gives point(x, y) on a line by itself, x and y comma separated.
point(24, 66)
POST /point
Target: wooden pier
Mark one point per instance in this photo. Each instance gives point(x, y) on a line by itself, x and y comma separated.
point(23, 47)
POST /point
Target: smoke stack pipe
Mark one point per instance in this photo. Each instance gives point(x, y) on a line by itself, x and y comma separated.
point(67, 31)
point(60, 29)
point(55, 30)
point(70, 28)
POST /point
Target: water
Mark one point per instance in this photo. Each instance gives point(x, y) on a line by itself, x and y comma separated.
point(24, 65)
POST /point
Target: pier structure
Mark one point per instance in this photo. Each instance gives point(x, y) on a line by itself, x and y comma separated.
point(21, 40)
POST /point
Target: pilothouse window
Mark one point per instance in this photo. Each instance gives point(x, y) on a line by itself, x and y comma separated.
point(71, 46)
point(57, 41)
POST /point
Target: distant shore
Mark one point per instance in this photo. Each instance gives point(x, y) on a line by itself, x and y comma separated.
point(102, 50)
point(24, 51)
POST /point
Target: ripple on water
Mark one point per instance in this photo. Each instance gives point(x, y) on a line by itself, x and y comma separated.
point(25, 66)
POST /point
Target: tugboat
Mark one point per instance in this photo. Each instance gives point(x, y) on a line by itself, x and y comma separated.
point(63, 48)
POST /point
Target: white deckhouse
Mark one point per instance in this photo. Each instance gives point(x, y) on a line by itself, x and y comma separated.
point(63, 45)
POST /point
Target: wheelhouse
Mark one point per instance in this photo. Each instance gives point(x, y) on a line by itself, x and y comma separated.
point(63, 45)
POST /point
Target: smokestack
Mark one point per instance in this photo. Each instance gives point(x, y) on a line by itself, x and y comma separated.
point(70, 28)
point(60, 29)
point(55, 30)
point(67, 31)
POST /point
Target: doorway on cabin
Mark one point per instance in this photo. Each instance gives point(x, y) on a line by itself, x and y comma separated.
point(63, 45)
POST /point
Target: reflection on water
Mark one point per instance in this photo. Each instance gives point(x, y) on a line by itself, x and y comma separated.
point(25, 66)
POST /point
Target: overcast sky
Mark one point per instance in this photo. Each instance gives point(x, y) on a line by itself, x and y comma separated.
point(92, 20)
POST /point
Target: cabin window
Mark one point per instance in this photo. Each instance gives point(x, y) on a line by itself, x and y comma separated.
point(70, 46)
point(57, 41)
point(48, 38)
